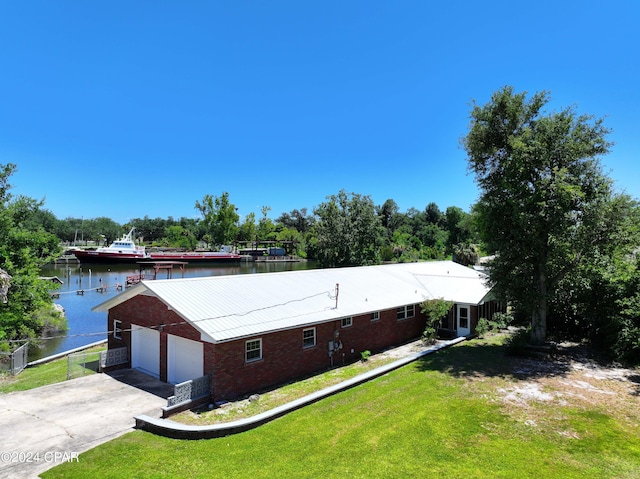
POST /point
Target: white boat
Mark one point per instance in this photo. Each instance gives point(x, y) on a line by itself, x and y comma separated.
point(122, 250)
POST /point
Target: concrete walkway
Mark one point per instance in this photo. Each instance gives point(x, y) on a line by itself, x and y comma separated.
point(42, 427)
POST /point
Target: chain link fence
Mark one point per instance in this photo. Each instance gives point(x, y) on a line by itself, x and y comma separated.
point(79, 364)
point(15, 361)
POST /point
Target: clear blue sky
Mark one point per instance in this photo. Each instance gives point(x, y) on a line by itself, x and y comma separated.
point(132, 108)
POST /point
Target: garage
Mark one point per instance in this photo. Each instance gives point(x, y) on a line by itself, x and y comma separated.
point(145, 350)
point(184, 359)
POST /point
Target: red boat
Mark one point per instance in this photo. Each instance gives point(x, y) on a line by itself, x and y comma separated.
point(124, 250)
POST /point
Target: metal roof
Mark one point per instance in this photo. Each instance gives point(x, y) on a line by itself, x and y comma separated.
point(225, 308)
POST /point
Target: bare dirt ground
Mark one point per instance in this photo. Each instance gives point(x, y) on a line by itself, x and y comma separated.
point(568, 376)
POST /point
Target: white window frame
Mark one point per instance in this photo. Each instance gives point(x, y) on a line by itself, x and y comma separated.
point(247, 359)
point(117, 329)
point(406, 312)
point(375, 316)
point(308, 340)
point(347, 322)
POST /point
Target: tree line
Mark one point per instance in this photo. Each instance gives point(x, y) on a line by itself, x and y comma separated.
point(346, 230)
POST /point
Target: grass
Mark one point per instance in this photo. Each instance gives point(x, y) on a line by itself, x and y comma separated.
point(282, 395)
point(437, 417)
point(42, 374)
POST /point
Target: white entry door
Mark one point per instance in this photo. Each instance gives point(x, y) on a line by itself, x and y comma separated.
point(145, 350)
point(184, 359)
point(464, 320)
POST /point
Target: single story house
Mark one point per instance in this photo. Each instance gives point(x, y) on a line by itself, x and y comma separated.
point(250, 332)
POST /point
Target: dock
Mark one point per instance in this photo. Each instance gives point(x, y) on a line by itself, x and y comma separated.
point(66, 259)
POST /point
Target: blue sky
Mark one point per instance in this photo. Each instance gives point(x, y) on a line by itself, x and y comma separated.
point(132, 108)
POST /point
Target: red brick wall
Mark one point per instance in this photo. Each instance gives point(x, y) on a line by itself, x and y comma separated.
point(284, 358)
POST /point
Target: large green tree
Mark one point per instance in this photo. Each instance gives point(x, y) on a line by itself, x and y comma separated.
point(348, 232)
point(545, 206)
point(220, 219)
point(25, 247)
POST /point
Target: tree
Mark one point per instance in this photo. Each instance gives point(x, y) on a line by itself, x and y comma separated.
point(545, 205)
point(387, 211)
point(434, 215)
point(297, 219)
point(458, 227)
point(180, 237)
point(104, 230)
point(24, 248)
point(435, 310)
point(602, 297)
point(347, 231)
point(148, 229)
point(248, 230)
point(220, 219)
point(465, 254)
point(266, 230)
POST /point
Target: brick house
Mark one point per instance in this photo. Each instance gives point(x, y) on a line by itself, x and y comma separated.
point(250, 332)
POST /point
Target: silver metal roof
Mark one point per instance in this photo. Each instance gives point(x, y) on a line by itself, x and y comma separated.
point(224, 308)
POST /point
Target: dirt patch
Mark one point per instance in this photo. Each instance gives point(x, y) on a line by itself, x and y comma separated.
point(568, 377)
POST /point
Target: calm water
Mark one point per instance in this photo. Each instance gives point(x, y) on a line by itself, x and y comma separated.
point(86, 326)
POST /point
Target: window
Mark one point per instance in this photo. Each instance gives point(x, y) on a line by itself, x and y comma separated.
point(308, 337)
point(253, 350)
point(406, 312)
point(117, 329)
point(464, 318)
point(375, 316)
point(346, 322)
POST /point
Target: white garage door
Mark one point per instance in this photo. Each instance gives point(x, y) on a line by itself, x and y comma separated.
point(145, 350)
point(184, 359)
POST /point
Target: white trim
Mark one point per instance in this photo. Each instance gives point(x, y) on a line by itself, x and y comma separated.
point(405, 312)
point(246, 350)
point(463, 331)
point(117, 329)
point(305, 346)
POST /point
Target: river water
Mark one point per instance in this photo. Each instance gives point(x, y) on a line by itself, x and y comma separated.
point(86, 326)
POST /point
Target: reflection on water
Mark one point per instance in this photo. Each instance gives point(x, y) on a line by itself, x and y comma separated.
point(98, 281)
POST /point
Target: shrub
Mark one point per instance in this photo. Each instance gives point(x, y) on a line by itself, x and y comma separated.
point(502, 320)
point(435, 310)
point(483, 327)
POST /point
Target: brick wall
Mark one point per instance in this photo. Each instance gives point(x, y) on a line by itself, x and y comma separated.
point(285, 359)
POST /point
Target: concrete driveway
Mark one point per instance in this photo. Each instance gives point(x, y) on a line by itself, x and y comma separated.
point(43, 427)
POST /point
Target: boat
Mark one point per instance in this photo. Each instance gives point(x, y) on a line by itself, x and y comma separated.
point(122, 250)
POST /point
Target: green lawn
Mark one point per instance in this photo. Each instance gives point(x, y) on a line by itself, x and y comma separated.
point(47, 373)
point(438, 417)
